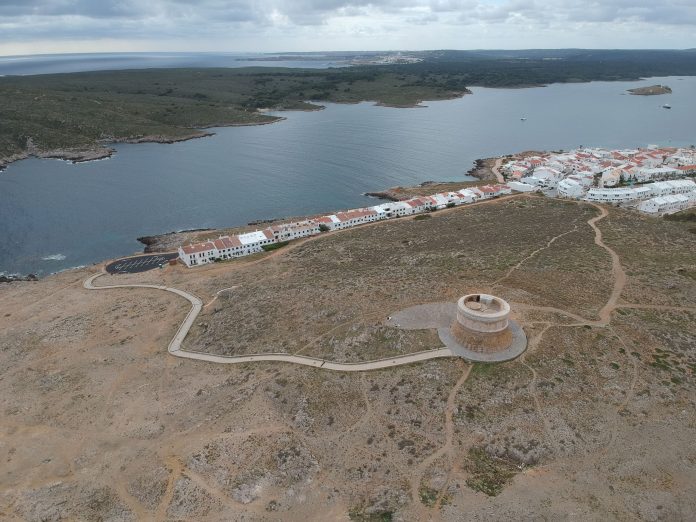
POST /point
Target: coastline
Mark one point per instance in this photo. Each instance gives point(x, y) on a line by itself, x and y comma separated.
point(102, 150)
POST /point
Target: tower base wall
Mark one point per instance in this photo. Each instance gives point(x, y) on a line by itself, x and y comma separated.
point(481, 342)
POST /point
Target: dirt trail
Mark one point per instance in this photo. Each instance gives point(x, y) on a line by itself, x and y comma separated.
point(534, 342)
point(175, 469)
point(446, 448)
point(618, 274)
point(616, 268)
point(527, 258)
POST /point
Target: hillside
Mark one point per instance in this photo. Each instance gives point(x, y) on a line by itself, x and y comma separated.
point(99, 423)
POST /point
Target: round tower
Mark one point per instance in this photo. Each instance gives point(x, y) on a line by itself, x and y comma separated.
point(482, 323)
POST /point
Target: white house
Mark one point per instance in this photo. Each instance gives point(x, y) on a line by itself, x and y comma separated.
point(571, 188)
point(397, 209)
point(253, 242)
point(198, 254)
point(468, 195)
point(380, 212)
point(610, 178)
point(439, 201)
point(419, 204)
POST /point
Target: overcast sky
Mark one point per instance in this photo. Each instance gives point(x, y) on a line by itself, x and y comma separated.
point(44, 26)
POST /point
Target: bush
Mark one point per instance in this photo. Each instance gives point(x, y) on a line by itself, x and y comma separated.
point(488, 475)
point(274, 246)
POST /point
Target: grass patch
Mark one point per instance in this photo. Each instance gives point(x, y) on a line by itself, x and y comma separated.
point(489, 475)
point(428, 496)
point(358, 515)
point(421, 217)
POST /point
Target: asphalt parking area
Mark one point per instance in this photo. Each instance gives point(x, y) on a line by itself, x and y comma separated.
point(133, 265)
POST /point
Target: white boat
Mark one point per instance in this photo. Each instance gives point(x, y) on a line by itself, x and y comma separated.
point(666, 106)
point(523, 119)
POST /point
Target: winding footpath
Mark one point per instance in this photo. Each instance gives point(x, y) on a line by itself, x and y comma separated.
point(176, 350)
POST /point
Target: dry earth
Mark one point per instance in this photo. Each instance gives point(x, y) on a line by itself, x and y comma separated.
point(595, 422)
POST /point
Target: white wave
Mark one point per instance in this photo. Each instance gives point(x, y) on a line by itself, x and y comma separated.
point(54, 257)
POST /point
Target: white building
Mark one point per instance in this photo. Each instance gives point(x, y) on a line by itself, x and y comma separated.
point(651, 174)
point(665, 204)
point(290, 231)
point(198, 254)
point(440, 201)
point(419, 204)
point(467, 195)
point(610, 178)
point(253, 242)
point(518, 186)
point(677, 186)
point(618, 195)
point(571, 188)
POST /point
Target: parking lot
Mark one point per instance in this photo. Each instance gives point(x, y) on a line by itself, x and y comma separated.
point(133, 265)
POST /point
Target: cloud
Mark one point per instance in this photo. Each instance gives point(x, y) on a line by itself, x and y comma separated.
point(360, 24)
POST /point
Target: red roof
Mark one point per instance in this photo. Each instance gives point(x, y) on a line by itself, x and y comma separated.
point(416, 202)
point(354, 214)
point(268, 234)
point(231, 242)
point(198, 247)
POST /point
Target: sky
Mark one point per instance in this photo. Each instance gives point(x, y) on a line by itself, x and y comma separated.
point(58, 26)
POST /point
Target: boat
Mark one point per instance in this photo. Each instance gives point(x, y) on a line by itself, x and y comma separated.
point(523, 119)
point(666, 106)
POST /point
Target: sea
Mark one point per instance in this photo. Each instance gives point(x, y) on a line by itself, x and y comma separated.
point(55, 215)
point(81, 62)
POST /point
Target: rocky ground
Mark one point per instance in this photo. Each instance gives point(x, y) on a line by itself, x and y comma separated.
point(594, 422)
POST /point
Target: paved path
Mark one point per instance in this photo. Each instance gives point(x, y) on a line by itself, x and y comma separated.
point(175, 348)
point(496, 170)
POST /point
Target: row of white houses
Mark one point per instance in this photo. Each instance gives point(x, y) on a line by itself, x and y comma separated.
point(575, 188)
point(228, 247)
point(668, 204)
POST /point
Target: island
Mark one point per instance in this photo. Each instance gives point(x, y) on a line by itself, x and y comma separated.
point(653, 90)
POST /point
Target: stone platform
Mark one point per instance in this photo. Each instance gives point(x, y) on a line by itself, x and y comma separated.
point(440, 316)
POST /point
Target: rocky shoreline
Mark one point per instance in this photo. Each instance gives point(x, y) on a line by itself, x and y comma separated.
point(15, 278)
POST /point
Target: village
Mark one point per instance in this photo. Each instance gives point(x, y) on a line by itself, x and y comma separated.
point(651, 180)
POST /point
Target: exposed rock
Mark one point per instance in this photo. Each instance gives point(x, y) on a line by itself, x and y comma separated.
point(13, 278)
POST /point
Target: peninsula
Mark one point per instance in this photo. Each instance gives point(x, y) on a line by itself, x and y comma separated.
point(77, 116)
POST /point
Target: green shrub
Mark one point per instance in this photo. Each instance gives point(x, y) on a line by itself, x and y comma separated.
point(275, 246)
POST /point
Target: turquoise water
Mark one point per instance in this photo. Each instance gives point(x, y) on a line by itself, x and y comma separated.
point(55, 215)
